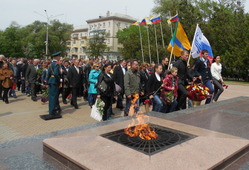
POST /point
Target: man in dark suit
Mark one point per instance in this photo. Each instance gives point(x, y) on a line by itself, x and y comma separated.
point(65, 85)
point(75, 77)
point(118, 77)
point(31, 77)
point(203, 72)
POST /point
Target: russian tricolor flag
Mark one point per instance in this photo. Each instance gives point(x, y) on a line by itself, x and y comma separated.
point(156, 20)
point(174, 18)
point(143, 22)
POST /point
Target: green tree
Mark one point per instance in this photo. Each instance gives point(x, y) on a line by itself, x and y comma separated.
point(29, 41)
point(96, 44)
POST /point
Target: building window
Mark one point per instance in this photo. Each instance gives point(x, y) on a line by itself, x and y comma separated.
point(74, 41)
point(109, 24)
point(81, 50)
point(103, 24)
point(82, 41)
point(119, 24)
point(76, 50)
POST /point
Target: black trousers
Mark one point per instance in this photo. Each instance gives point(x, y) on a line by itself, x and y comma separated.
point(182, 95)
point(108, 103)
point(65, 93)
point(75, 91)
point(120, 101)
point(5, 94)
point(218, 89)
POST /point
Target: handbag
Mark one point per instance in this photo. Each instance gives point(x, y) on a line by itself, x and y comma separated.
point(95, 114)
point(118, 89)
point(102, 86)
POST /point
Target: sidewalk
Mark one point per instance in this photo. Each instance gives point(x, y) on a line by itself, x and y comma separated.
point(20, 118)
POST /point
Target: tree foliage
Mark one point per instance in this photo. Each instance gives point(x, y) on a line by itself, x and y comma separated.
point(29, 41)
point(96, 44)
point(224, 22)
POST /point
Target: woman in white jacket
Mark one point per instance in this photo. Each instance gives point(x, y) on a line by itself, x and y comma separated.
point(216, 69)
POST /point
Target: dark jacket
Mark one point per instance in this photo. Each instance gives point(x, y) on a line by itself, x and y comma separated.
point(65, 83)
point(183, 72)
point(202, 70)
point(144, 77)
point(87, 71)
point(109, 82)
point(75, 79)
point(31, 74)
point(118, 76)
point(153, 84)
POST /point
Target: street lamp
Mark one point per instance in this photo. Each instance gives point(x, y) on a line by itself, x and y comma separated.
point(48, 20)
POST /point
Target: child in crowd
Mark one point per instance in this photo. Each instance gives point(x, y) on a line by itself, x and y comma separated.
point(169, 91)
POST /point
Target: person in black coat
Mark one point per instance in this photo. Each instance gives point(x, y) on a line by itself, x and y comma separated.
point(31, 77)
point(202, 70)
point(183, 75)
point(144, 77)
point(153, 86)
point(106, 96)
point(75, 77)
point(118, 77)
point(65, 84)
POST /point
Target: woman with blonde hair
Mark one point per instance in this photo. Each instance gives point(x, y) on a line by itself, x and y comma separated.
point(93, 79)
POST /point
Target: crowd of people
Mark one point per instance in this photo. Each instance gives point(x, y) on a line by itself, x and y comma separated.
point(162, 86)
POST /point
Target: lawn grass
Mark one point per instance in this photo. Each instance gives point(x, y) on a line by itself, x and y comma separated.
point(236, 82)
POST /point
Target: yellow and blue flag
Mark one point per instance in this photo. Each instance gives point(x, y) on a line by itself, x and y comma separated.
point(179, 41)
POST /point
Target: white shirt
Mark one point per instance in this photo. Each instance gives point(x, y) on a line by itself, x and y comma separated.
point(77, 68)
point(158, 77)
point(216, 71)
point(123, 69)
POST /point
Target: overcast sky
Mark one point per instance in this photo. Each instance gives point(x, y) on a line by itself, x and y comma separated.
point(74, 12)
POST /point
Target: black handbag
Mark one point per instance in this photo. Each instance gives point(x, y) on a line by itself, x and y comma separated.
point(102, 86)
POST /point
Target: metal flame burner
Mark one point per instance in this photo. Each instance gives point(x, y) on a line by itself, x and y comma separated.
point(167, 138)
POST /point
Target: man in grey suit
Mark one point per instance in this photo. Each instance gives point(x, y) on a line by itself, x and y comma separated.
point(31, 77)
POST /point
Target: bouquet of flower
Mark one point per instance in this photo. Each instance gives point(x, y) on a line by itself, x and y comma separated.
point(197, 92)
point(100, 106)
point(44, 97)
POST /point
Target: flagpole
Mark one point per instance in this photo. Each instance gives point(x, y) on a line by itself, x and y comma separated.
point(148, 34)
point(141, 42)
point(162, 34)
point(171, 28)
point(170, 58)
point(190, 54)
point(156, 45)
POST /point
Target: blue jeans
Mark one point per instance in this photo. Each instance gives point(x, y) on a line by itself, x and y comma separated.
point(128, 105)
point(157, 104)
point(209, 85)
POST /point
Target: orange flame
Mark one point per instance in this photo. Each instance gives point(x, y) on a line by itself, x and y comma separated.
point(143, 130)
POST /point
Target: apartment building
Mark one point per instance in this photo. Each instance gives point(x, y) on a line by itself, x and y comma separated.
point(111, 24)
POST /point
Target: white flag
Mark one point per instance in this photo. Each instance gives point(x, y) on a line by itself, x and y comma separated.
point(200, 43)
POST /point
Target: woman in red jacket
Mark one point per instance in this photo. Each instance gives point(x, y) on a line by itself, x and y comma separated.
point(169, 90)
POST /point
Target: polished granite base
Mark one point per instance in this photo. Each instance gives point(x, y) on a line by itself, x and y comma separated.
point(229, 118)
point(89, 150)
